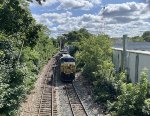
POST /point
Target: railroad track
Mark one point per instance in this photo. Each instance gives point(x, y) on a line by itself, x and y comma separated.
point(42, 102)
point(75, 103)
point(47, 105)
point(44, 106)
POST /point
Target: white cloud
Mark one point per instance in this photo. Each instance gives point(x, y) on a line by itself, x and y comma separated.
point(48, 2)
point(125, 9)
point(126, 12)
point(44, 4)
point(56, 15)
point(49, 19)
point(132, 29)
point(42, 20)
point(128, 18)
point(68, 4)
point(75, 4)
point(95, 1)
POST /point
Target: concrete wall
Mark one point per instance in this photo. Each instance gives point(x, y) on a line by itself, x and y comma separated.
point(136, 62)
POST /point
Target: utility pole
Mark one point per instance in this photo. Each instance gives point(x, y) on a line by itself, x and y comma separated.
point(102, 20)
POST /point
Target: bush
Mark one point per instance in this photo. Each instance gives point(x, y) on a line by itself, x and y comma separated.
point(132, 102)
point(111, 89)
point(24, 49)
point(92, 52)
point(146, 107)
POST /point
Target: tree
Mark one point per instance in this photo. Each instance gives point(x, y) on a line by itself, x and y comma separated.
point(146, 33)
point(146, 36)
point(24, 48)
point(75, 36)
point(137, 39)
point(92, 52)
point(132, 101)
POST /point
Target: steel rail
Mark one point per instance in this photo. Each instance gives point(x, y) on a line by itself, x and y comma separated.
point(52, 98)
point(42, 96)
point(77, 98)
point(69, 101)
point(41, 99)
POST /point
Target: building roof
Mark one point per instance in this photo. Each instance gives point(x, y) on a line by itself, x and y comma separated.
point(134, 51)
point(142, 46)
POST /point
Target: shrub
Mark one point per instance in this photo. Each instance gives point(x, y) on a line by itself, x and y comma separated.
point(132, 102)
point(146, 107)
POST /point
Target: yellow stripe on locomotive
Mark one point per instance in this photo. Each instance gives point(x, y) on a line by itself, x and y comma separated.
point(68, 67)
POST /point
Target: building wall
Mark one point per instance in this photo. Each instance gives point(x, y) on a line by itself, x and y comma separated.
point(136, 62)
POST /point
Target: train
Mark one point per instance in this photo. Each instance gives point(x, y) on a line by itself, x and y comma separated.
point(66, 67)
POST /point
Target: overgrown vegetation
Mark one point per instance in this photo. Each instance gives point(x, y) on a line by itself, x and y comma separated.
point(24, 49)
point(94, 59)
point(144, 38)
point(133, 100)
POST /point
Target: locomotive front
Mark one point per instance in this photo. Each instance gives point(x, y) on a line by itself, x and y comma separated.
point(67, 68)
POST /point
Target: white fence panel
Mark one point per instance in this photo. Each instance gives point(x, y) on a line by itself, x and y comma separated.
point(136, 62)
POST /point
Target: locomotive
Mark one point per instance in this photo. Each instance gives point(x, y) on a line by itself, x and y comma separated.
point(67, 67)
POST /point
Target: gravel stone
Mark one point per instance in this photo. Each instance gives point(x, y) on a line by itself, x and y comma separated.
point(63, 103)
point(63, 107)
point(84, 92)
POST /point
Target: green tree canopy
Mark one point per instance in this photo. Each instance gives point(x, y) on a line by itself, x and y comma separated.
point(75, 36)
point(146, 33)
point(137, 39)
point(24, 48)
point(146, 36)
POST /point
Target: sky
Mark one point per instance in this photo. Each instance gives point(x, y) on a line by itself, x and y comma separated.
point(112, 17)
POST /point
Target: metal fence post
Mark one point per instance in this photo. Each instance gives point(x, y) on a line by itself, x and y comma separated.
point(124, 58)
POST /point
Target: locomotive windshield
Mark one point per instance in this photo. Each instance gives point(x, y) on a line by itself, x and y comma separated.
point(67, 60)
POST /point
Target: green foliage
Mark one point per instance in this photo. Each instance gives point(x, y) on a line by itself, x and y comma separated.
point(94, 58)
point(92, 52)
point(137, 39)
point(45, 48)
point(76, 35)
point(73, 36)
point(111, 89)
point(146, 107)
point(146, 36)
point(13, 17)
point(11, 86)
point(24, 49)
point(132, 101)
point(39, 1)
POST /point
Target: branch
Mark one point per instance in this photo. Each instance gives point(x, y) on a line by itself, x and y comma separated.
point(39, 1)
